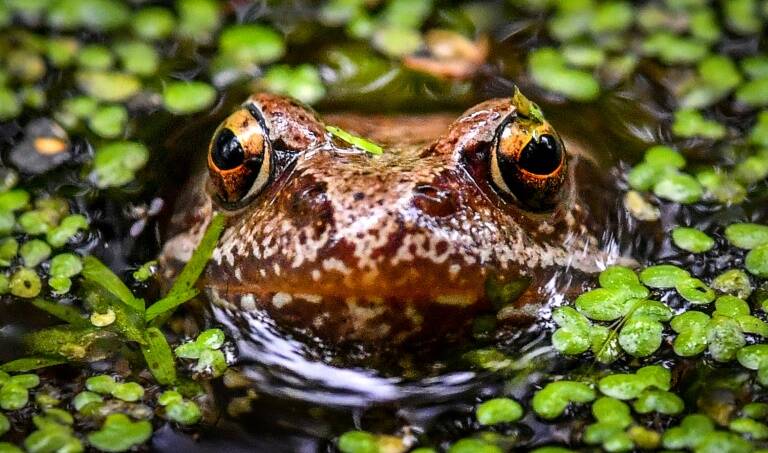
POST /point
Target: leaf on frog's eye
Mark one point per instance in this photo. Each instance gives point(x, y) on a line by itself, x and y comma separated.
point(354, 140)
point(95, 271)
point(183, 288)
point(526, 107)
point(30, 363)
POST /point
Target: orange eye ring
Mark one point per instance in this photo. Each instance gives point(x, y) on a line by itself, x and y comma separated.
point(528, 162)
point(240, 156)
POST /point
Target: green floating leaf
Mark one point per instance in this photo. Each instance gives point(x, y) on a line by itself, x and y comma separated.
point(551, 401)
point(725, 338)
point(183, 287)
point(25, 283)
point(115, 164)
point(689, 434)
point(198, 19)
point(302, 82)
point(358, 442)
point(662, 276)
point(659, 401)
point(183, 98)
point(95, 56)
point(678, 187)
point(692, 240)
point(691, 123)
point(733, 281)
point(99, 15)
point(119, 433)
point(641, 336)
point(108, 121)
point(605, 304)
point(354, 140)
point(499, 410)
point(694, 291)
point(108, 86)
point(747, 235)
point(251, 44)
point(691, 327)
point(548, 69)
point(629, 386)
point(153, 23)
point(756, 261)
point(573, 336)
point(138, 58)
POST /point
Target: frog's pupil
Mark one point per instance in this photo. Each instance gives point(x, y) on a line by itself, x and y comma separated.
point(542, 157)
point(227, 152)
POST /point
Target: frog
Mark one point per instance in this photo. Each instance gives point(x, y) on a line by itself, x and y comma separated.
point(443, 218)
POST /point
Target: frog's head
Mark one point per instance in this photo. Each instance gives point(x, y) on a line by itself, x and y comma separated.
point(355, 245)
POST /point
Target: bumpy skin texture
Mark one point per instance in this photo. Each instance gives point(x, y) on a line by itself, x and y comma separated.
point(389, 248)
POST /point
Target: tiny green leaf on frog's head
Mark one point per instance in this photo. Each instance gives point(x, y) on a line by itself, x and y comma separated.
point(354, 140)
point(526, 107)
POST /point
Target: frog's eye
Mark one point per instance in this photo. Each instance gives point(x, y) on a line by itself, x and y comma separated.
point(240, 156)
point(528, 162)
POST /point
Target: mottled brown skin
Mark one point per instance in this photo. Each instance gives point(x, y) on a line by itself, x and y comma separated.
point(389, 248)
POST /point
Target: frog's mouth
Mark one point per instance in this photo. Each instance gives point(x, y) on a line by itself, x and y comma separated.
point(368, 319)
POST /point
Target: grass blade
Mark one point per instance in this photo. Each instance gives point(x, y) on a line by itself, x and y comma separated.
point(66, 313)
point(97, 272)
point(29, 364)
point(159, 356)
point(183, 288)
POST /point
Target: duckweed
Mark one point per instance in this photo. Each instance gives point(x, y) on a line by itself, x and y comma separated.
point(108, 121)
point(551, 401)
point(14, 390)
point(183, 98)
point(692, 240)
point(663, 276)
point(108, 86)
point(302, 82)
point(251, 44)
point(358, 442)
point(679, 188)
point(694, 290)
point(119, 433)
point(660, 401)
point(34, 252)
point(95, 57)
point(630, 386)
point(548, 69)
point(25, 283)
point(747, 235)
point(691, 123)
point(178, 409)
point(573, 336)
point(499, 410)
point(689, 433)
point(733, 281)
point(153, 23)
point(138, 58)
point(206, 349)
point(115, 164)
point(691, 329)
point(756, 261)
